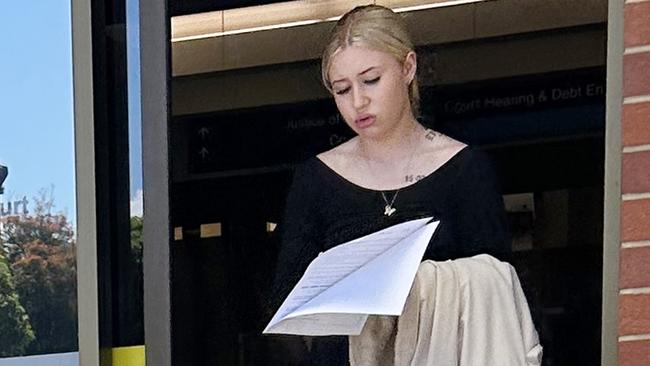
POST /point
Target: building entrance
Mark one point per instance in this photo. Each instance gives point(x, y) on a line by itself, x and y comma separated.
point(233, 170)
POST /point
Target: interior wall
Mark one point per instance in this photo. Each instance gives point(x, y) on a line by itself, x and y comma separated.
point(441, 64)
point(438, 25)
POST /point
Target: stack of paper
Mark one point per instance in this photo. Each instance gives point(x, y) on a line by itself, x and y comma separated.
point(342, 286)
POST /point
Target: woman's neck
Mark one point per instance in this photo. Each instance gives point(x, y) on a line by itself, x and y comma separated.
point(391, 148)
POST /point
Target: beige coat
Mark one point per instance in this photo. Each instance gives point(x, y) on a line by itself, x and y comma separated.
point(465, 312)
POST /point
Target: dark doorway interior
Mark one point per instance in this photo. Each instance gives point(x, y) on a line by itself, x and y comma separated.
point(545, 133)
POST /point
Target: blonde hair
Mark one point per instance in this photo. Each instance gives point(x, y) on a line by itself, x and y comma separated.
point(377, 28)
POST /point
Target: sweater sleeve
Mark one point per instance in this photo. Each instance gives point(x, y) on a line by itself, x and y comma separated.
point(297, 234)
point(480, 218)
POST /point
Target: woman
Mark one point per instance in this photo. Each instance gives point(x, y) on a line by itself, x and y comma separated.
point(392, 171)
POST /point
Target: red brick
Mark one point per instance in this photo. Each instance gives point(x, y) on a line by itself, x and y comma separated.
point(636, 123)
point(634, 353)
point(637, 24)
point(636, 172)
point(635, 220)
point(635, 267)
point(636, 74)
point(634, 314)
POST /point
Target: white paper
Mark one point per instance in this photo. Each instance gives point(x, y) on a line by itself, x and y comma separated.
point(342, 286)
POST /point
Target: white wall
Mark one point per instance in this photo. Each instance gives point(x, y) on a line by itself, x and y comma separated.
point(58, 359)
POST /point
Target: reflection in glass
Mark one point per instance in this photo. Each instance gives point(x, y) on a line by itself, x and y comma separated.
point(38, 260)
point(135, 312)
point(237, 133)
point(38, 275)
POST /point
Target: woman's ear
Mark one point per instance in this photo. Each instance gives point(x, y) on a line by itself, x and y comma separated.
point(410, 67)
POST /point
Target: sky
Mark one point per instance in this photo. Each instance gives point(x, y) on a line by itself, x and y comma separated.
point(36, 103)
point(135, 131)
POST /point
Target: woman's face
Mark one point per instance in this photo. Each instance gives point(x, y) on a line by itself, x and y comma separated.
point(370, 89)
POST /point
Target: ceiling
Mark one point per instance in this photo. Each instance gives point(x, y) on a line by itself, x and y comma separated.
point(200, 44)
point(185, 7)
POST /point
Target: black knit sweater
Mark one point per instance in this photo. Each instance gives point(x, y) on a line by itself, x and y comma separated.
point(323, 209)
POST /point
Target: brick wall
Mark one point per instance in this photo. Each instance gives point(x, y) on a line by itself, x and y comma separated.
point(634, 280)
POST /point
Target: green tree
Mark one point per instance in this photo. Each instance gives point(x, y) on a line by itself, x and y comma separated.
point(15, 328)
point(42, 225)
point(46, 283)
point(136, 238)
point(41, 251)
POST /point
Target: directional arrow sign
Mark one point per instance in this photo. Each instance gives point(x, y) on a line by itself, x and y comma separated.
point(204, 131)
point(204, 152)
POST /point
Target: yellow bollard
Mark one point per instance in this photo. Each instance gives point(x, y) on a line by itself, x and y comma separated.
point(128, 356)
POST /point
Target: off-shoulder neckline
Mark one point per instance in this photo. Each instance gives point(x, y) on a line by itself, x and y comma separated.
point(429, 176)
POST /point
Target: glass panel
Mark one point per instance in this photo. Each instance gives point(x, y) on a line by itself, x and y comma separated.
point(135, 333)
point(38, 292)
point(238, 133)
point(119, 172)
